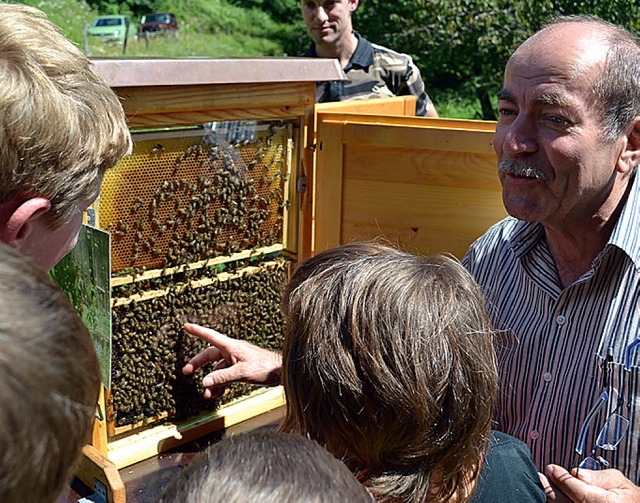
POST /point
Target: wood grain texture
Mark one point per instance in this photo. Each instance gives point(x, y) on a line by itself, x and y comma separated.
point(131, 449)
point(417, 182)
point(200, 98)
point(94, 466)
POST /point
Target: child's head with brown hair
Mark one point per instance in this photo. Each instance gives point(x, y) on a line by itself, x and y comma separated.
point(389, 363)
point(49, 387)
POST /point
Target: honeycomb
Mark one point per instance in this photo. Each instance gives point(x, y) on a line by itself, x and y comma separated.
point(183, 198)
point(187, 196)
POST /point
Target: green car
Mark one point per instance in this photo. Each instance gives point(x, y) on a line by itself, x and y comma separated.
point(112, 29)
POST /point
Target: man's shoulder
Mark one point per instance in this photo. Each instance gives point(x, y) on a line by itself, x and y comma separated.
point(389, 57)
point(494, 247)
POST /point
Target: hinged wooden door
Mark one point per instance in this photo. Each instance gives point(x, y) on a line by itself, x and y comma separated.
point(430, 185)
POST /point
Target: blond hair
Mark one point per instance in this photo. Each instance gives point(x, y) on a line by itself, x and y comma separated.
point(61, 126)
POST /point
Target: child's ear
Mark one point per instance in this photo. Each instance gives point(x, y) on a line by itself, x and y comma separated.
point(16, 219)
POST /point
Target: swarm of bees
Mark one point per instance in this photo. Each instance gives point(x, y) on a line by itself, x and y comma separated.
point(150, 346)
point(214, 202)
point(206, 201)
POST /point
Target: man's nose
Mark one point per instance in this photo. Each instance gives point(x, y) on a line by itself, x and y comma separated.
point(321, 14)
point(519, 137)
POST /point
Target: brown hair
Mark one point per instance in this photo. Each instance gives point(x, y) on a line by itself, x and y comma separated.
point(49, 386)
point(61, 125)
point(389, 363)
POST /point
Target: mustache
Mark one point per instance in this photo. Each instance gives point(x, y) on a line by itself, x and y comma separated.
point(517, 168)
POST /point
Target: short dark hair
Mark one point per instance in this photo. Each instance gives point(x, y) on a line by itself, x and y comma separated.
point(268, 467)
point(617, 87)
point(388, 362)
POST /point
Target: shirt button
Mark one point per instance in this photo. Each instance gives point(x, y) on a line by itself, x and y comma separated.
point(560, 319)
point(534, 435)
point(547, 377)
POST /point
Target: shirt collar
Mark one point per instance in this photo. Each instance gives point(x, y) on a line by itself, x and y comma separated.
point(362, 57)
point(626, 233)
point(311, 51)
point(526, 235)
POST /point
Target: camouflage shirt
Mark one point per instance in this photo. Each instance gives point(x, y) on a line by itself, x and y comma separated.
point(375, 72)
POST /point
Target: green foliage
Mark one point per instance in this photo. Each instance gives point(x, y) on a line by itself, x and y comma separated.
point(464, 44)
point(284, 11)
point(292, 35)
point(69, 15)
point(459, 103)
point(460, 46)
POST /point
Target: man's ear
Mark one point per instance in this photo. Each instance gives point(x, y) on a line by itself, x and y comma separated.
point(630, 156)
point(353, 5)
point(17, 217)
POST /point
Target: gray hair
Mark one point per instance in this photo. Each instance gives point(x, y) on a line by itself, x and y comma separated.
point(267, 467)
point(617, 87)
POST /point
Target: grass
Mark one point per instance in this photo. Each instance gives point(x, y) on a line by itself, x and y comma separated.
point(69, 15)
point(216, 29)
point(208, 28)
point(457, 104)
point(219, 45)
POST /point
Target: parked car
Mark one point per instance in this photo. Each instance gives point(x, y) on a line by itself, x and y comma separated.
point(112, 29)
point(158, 23)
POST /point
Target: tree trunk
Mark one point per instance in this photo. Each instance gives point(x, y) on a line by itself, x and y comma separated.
point(485, 103)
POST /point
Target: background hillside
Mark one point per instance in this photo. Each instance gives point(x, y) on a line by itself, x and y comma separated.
point(214, 28)
point(460, 46)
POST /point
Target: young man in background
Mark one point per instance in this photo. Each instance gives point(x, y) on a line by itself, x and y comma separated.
point(373, 71)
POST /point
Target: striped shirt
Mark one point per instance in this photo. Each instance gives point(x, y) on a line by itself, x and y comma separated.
point(552, 342)
point(375, 72)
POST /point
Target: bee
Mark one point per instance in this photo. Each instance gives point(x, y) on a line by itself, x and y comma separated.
point(136, 205)
point(122, 225)
point(159, 148)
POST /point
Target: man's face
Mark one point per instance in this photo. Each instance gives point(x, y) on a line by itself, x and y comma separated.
point(328, 21)
point(554, 166)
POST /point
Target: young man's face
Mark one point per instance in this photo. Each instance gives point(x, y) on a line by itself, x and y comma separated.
point(328, 21)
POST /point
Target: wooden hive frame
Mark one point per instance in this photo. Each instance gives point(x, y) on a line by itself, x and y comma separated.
point(159, 94)
point(430, 185)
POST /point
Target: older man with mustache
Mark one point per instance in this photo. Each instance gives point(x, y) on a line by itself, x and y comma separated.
point(562, 274)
